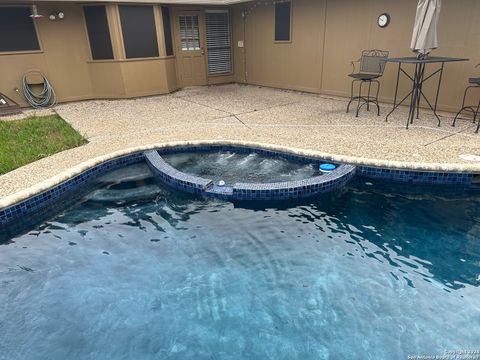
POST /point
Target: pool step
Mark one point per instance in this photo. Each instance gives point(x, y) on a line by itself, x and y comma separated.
point(224, 192)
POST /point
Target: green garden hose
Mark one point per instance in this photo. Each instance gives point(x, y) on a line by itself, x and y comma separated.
point(45, 98)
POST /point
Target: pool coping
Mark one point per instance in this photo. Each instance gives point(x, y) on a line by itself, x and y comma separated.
point(54, 181)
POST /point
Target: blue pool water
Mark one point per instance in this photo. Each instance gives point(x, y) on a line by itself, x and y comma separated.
point(233, 167)
point(133, 270)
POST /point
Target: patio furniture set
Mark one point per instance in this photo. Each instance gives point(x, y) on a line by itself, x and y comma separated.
point(372, 66)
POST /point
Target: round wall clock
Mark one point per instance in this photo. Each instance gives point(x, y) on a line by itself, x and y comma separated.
point(383, 20)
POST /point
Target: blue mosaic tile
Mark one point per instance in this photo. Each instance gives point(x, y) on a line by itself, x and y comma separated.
point(246, 191)
point(174, 178)
point(412, 176)
point(50, 196)
point(418, 177)
point(185, 182)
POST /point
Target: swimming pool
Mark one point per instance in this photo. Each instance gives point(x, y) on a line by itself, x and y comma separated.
point(131, 269)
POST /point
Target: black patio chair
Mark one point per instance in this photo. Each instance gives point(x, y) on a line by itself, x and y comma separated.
point(372, 64)
point(474, 84)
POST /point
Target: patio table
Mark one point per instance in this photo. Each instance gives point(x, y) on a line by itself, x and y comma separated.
point(418, 79)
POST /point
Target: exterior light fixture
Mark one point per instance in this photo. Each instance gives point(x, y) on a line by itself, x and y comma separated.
point(57, 15)
point(34, 13)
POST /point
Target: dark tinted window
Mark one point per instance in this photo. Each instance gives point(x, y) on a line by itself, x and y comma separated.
point(17, 32)
point(282, 21)
point(139, 32)
point(98, 32)
point(167, 30)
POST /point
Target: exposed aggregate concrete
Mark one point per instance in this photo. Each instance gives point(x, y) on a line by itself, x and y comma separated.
point(238, 114)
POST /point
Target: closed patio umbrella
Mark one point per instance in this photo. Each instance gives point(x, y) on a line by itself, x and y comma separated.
point(424, 38)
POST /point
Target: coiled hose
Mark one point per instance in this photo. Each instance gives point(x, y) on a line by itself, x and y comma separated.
point(45, 98)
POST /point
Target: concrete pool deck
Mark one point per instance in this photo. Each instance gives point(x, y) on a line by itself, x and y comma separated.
point(239, 114)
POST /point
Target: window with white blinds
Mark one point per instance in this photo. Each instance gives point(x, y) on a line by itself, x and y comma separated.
point(218, 41)
point(189, 32)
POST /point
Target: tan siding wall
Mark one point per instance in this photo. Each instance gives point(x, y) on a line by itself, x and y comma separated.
point(326, 36)
point(349, 28)
point(107, 80)
point(155, 83)
point(296, 64)
point(66, 62)
point(171, 74)
point(63, 60)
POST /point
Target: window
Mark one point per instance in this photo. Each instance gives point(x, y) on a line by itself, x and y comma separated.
point(189, 32)
point(139, 31)
point(98, 32)
point(218, 41)
point(17, 30)
point(167, 30)
point(282, 20)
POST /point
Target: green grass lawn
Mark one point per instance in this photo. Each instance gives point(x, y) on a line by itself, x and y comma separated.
point(30, 139)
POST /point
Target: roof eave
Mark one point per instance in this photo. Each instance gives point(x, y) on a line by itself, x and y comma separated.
point(175, 2)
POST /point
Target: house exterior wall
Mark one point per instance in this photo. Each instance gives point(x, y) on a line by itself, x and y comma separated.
point(66, 61)
point(328, 34)
point(63, 58)
point(296, 64)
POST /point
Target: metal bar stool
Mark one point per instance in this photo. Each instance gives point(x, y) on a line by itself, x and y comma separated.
point(372, 66)
point(475, 84)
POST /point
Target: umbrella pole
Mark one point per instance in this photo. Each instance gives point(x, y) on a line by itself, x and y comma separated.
point(413, 101)
point(420, 86)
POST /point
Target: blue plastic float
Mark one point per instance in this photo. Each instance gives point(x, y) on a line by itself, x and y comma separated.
point(326, 168)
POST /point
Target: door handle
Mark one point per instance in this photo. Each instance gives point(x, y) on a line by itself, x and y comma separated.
point(203, 51)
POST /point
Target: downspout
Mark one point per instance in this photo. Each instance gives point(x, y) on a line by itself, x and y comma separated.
point(244, 17)
point(325, 9)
